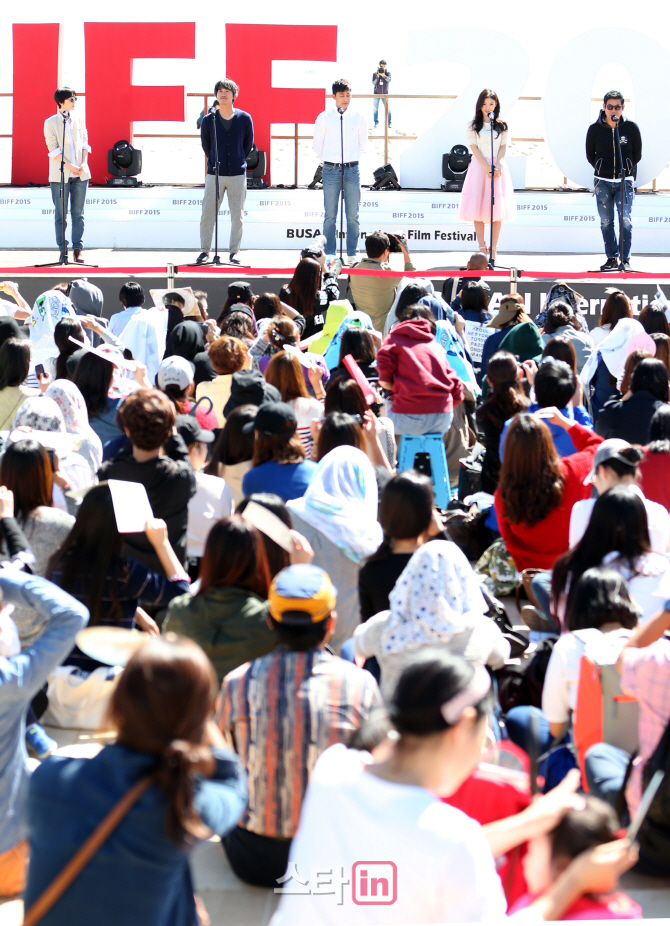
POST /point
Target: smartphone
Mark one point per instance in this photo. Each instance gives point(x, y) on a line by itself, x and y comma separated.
point(645, 804)
point(52, 459)
point(39, 370)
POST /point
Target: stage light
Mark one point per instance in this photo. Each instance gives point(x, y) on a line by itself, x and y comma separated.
point(124, 163)
point(455, 167)
point(317, 180)
point(256, 169)
point(385, 179)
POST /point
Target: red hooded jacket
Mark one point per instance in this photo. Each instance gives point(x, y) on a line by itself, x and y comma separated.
point(412, 360)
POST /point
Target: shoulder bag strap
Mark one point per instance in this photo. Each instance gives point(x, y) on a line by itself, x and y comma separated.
point(85, 853)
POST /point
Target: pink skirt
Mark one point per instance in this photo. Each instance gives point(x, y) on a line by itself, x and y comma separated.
point(475, 204)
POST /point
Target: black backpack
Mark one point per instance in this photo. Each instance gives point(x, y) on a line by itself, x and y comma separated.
point(654, 835)
point(522, 684)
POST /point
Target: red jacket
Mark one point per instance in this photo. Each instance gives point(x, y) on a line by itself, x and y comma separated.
point(412, 360)
point(540, 546)
point(655, 477)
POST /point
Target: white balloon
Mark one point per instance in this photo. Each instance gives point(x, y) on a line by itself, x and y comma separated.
point(495, 60)
point(567, 99)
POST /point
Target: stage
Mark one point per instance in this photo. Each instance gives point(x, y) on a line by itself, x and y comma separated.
point(269, 270)
point(157, 217)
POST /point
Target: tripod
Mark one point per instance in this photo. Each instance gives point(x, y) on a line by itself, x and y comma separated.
point(62, 260)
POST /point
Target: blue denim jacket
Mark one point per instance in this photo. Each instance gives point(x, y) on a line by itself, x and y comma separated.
point(21, 677)
point(562, 440)
point(139, 877)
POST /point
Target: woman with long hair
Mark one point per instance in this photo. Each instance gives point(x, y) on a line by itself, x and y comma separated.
point(487, 137)
point(617, 536)
point(537, 488)
point(662, 342)
point(239, 294)
point(561, 348)
point(561, 320)
point(162, 710)
point(92, 565)
point(629, 417)
point(94, 377)
point(228, 615)
point(617, 306)
point(14, 367)
point(278, 464)
point(310, 291)
point(65, 329)
point(393, 808)
point(655, 467)
point(25, 469)
point(505, 399)
point(285, 373)
point(337, 430)
point(653, 319)
point(346, 396)
point(233, 450)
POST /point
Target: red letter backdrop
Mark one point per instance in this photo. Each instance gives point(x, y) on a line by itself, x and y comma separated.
point(112, 102)
point(250, 51)
point(35, 81)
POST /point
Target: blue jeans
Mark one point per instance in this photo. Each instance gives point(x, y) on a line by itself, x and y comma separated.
point(521, 732)
point(331, 197)
point(75, 194)
point(605, 768)
point(375, 110)
point(607, 196)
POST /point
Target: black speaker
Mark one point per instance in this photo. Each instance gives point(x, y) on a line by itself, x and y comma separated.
point(256, 168)
point(454, 168)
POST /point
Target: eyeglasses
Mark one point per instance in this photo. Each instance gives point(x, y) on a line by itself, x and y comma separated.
point(616, 108)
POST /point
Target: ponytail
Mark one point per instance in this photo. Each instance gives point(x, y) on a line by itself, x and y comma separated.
point(180, 763)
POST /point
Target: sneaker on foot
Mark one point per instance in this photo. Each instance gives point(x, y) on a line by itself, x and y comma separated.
point(202, 258)
point(233, 258)
point(610, 264)
point(626, 266)
point(39, 744)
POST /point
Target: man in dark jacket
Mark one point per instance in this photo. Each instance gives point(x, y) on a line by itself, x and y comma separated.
point(148, 417)
point(603, 155)
point(380, 84)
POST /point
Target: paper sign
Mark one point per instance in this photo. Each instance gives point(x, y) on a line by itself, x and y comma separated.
point(131, 506)
point(269, 524)
point(477, 335)
point(357, 374)
point(117, 359)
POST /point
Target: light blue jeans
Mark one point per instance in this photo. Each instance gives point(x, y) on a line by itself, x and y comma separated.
point(331, 198)
point(375, 110)
point(75, 194)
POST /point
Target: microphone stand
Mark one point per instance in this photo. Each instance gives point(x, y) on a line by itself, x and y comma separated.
point(493, 196)
point(216, 260)
point(341, 112)
point(62, 260)
point(617, 140)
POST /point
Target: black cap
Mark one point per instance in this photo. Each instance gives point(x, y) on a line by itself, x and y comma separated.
point(248, 387)
point(10, 328)
point(241, 307)
point(273, 418)
point(240, 289)
point(190, 431)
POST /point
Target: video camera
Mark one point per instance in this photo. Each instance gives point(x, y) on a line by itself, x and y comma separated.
point(394, 242)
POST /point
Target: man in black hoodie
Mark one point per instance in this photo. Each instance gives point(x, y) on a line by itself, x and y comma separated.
point(602, 154)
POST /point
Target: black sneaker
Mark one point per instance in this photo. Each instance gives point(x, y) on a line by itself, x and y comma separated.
point(626, 266)
point(611, 263)
point(234, 259)
point(202, 259)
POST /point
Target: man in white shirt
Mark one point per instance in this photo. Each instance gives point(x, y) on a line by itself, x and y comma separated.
point(340, 137)
point(131, 297)
point(66, 136)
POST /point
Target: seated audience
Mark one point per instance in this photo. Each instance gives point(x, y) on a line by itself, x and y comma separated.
point(617, 306)
point(505, 399)
point(22, 677)
point(629, 418)
point(653, 319)
point(158, 458)
point(94, 378)
point(343, 394)
point(227, 356)
point(162, 710)
point(537, 488)
point(616, 463)
point(233, 450)
point(375, 294)
point(655, 467)
point(270, 702)
point(339, 430)
point(240, 323)
point(14, 367)
point(73, 407)
point(131, 297)
point(560, 348)
point(477, 261)
point(278, 557)
point(605, 367)
point(249, 387)
point(561, 320)
point(662, 342)
point(239, 294)
point(227, 616)
point(25, 469)
point(475, 300)
point(278, 464)
point(338, 516)
point(436, 602)
point(187, 340)
point(285, 373)
point(409, 294)
point(511, 312)
point(56, 367)
point(356, 809)
point(175, 378)
point(360, 343)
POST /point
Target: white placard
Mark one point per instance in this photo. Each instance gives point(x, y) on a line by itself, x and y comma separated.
point(131, 506)
point(477, 335)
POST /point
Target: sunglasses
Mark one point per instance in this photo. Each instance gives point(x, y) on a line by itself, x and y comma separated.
point(610, 108)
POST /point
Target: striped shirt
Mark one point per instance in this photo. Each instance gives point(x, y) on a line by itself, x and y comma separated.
point(279, 713)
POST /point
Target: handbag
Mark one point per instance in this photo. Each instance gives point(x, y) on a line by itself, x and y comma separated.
point(78, 700)
point(85, 853)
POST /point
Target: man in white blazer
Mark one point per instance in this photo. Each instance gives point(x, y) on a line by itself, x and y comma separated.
point(65, 131)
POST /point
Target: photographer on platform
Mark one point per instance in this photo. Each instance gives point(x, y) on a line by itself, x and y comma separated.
point(380, 84)
point(603, 156)
point(229, 131)
point(375, 294)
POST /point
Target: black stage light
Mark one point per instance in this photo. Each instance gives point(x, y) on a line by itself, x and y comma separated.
point(317, 180)
point(124, 163)
point(256, 168)
point(455, 167)
point(385, 179)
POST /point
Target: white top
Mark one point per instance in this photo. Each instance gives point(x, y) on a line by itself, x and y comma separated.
point(657, 518)
point(212, 501)
point(305, 409)
point(327, 142)
point(119, 320)
point(600, 333)
point(559, 693)
point(645, 586)
point(438, 858)
point(482, 140)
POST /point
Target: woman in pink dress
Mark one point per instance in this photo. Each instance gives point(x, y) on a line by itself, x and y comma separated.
point(475, 205)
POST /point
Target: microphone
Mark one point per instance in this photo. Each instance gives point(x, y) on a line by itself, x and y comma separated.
point(212, 109)
point(340, 110)
point(614, 118)
point(492, 116)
